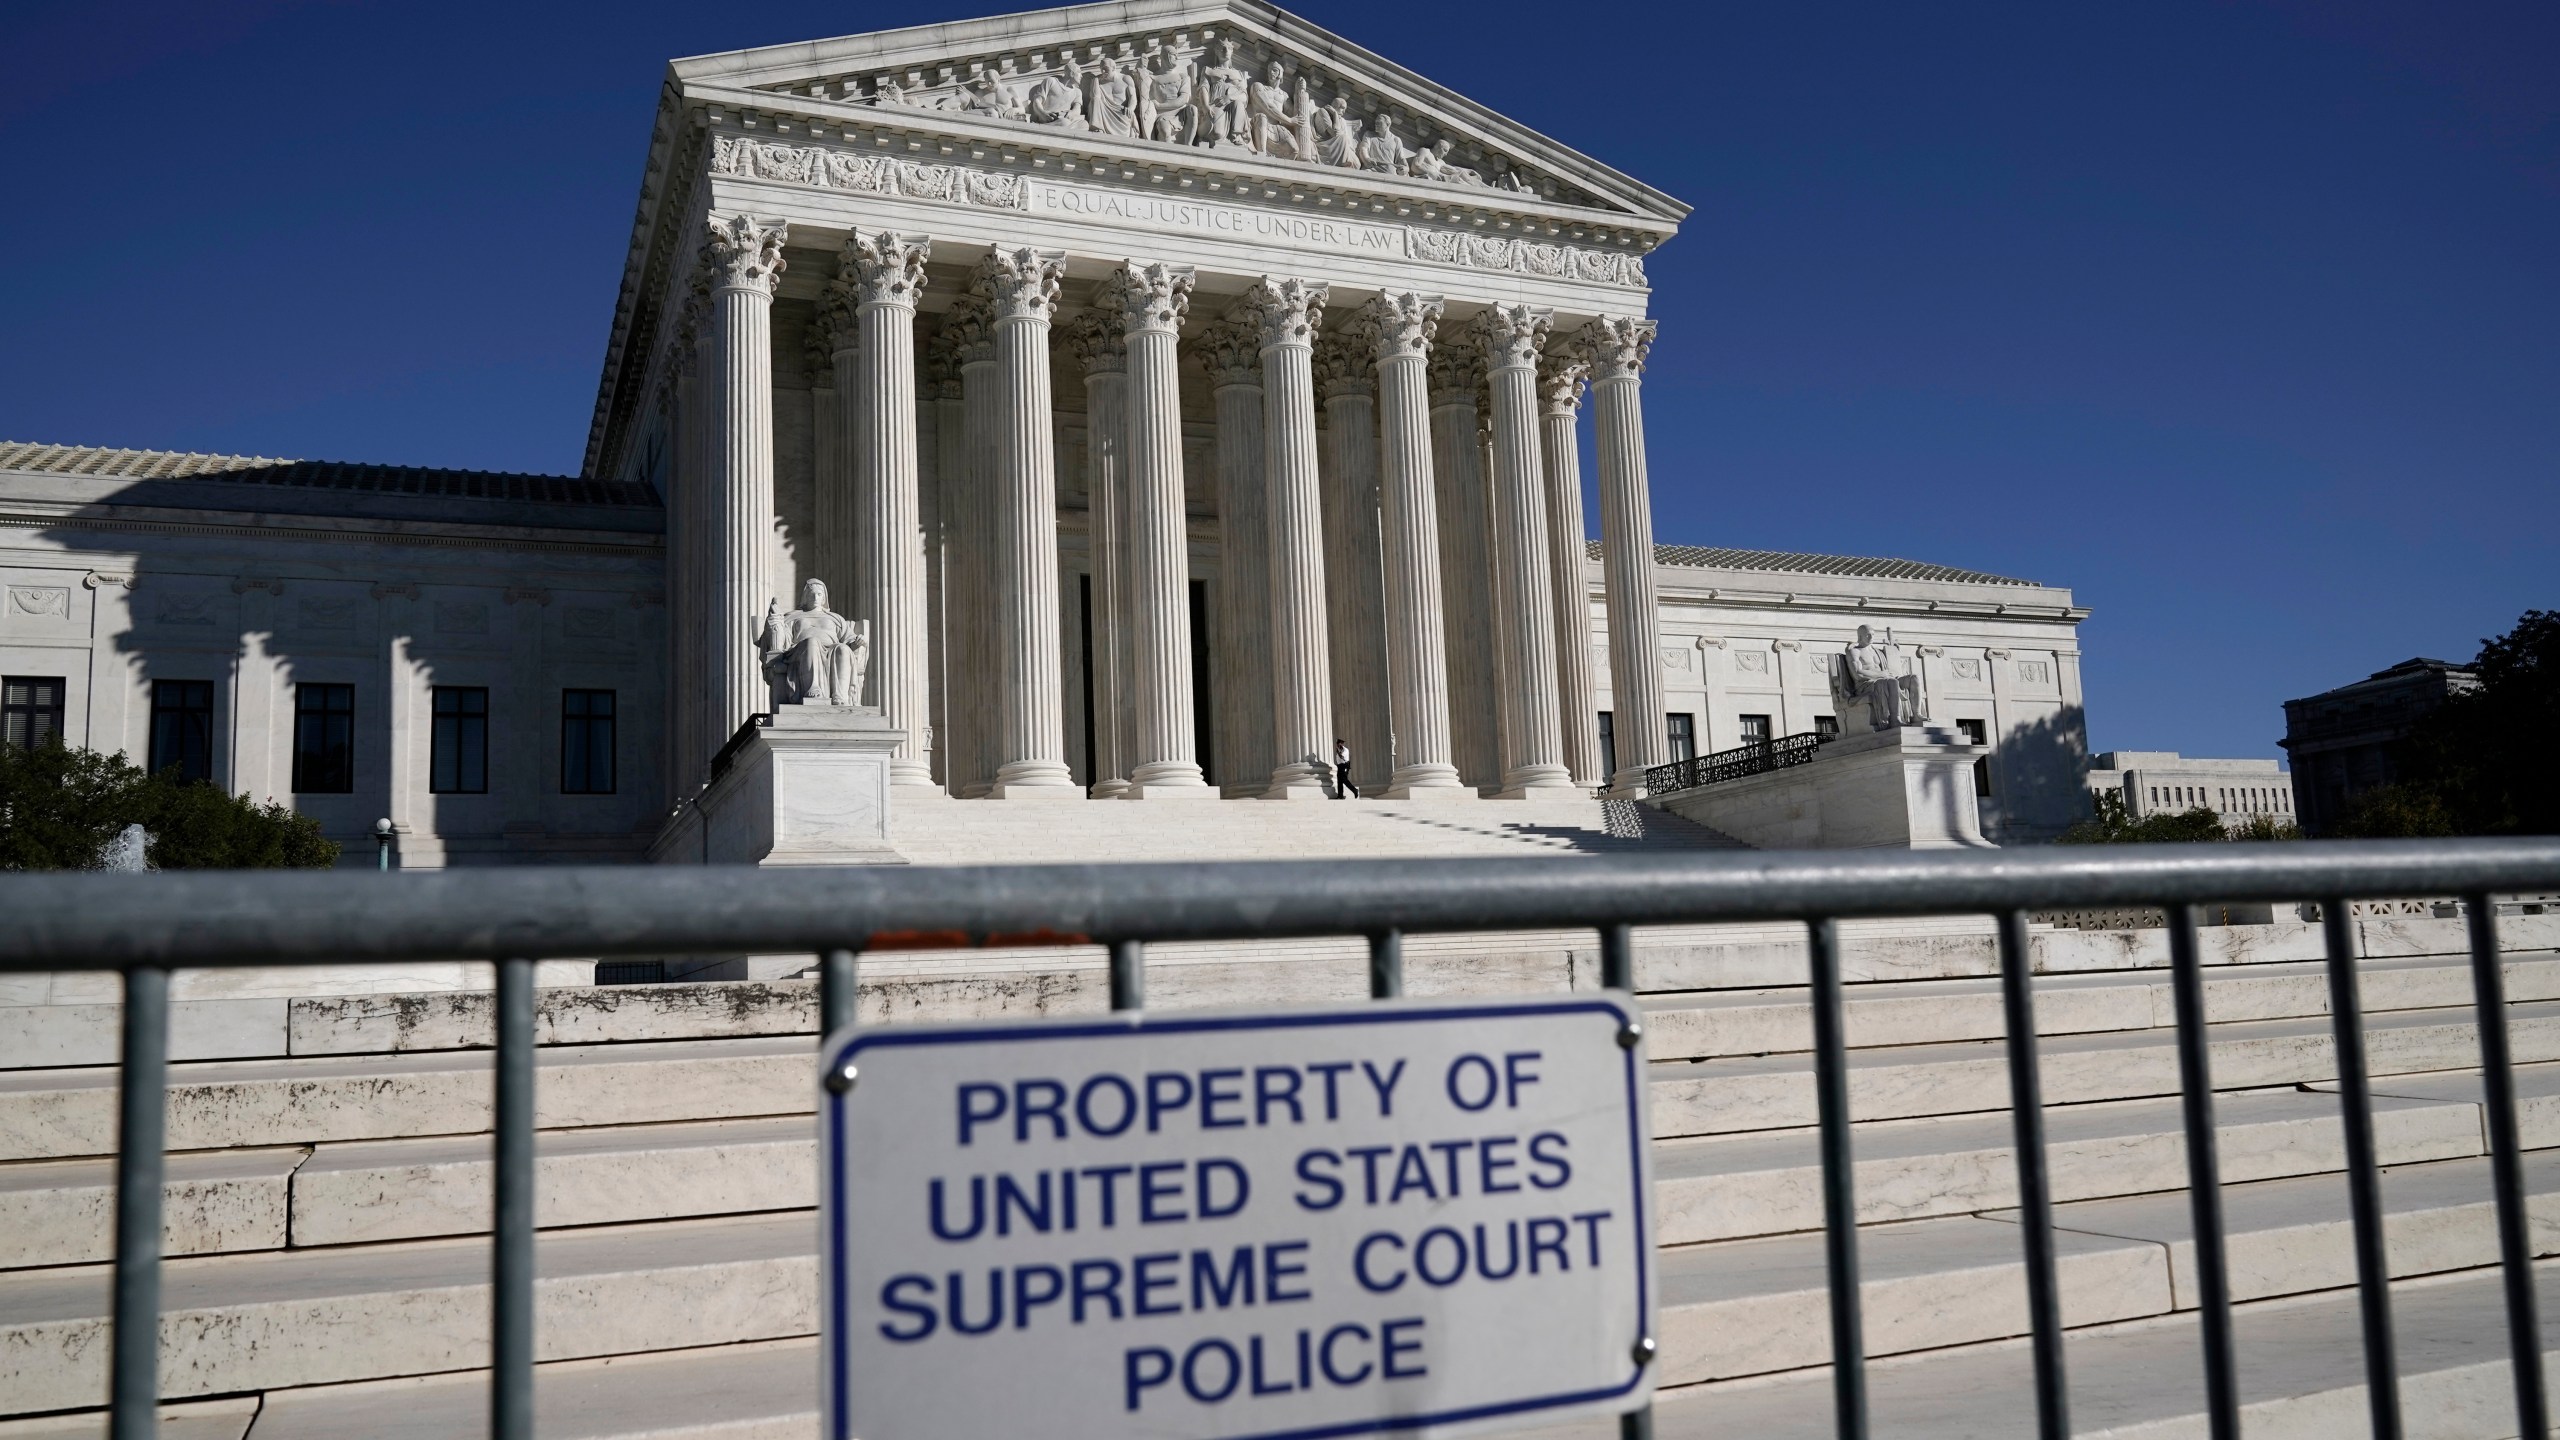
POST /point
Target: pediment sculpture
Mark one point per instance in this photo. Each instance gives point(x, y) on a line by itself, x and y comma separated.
point(812, 655)
point(1209, 95)
point(1874, 679)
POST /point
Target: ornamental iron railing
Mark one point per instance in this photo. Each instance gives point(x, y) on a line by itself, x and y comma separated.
point(1757, 758)
point(147, 926)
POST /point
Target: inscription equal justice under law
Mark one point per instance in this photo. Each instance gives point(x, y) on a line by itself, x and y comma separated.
point(1199, 217)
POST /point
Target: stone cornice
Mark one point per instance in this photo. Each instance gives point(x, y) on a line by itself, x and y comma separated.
point(249, 525)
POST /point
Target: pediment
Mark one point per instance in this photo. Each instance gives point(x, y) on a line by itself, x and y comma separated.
point(1213, 79)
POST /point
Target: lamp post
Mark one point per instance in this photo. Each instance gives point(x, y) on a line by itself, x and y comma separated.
point(382, 844)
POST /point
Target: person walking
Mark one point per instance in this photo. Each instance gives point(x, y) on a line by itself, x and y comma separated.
point(1342, 769)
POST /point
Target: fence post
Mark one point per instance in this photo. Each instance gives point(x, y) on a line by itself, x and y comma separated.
point(142, 1136)
point(511, 1271)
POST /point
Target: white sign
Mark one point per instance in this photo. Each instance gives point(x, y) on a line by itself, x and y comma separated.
point(1425, 1218)
point(1215, 217)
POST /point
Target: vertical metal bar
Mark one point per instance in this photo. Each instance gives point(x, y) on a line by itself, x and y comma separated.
point(2204, 1176)
point(1128, 974)
point(1386, 965)
point(838, 992)
point(1839, 1183)
point(142, 1134)
point(1618, 958)
point(2506, 1160)
point(2364, 1178)
point(1618, 972)
point(2035, 1183)
point(511, 1278)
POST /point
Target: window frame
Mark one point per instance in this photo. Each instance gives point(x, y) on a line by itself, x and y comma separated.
point(171, 711)
point(310, 754)
point(32, 710)
point(456, 739)
point(585, 724)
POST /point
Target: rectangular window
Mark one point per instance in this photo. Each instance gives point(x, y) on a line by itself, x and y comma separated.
point(1684, 736)
point(182, 728)
point(458, 752)
point(586, 742)
point(324, 739)
point(1977, 732)
point(32, 706)
point(1827, 726)
point(1755, 729)
point(1608, 749)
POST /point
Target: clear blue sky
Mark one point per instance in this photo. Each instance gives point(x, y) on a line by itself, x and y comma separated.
point(2242, 320)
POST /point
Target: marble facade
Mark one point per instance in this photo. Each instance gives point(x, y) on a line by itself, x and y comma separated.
point(1169, 389)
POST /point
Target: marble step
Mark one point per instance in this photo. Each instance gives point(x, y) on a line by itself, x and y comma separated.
point(62, 1212)
point(1715, 1097)
point(763, 1391)
point(1749, 1307)
point(1732, 1187)
point(2301, 1364)
point(224, 1419)
point(236, 1323)
point(414, 1189)
point(60, 1114)
point(1779, 1019)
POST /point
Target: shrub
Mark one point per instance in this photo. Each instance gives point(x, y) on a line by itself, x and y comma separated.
point(61, 805)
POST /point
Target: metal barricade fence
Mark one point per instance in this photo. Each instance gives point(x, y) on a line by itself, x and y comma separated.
point(147, 926)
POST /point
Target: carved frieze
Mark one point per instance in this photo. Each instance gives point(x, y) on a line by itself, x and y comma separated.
point(1210, 94)
point(41, 602)
point(827, 168)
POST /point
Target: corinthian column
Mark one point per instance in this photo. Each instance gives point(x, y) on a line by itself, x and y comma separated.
point(1616, 345)
point(1151, 301)
point(1560, 373)
point(684, 554)
point(976, 693)
point(1346, 376)
point(1398, 329)
point(1288, 313)
point(952, 511)
point(878, 398)
point(1022, 284)
point(1096, 341)
point(744, 255)
point(1233, 352)
point(1524, 593)
point(1466, 567)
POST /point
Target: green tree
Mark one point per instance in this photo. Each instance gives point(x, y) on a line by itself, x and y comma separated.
point(60, 805)
point(2482, 764)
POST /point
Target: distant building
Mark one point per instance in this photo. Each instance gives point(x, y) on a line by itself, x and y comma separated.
point(2341, 740)
point(2164, 782)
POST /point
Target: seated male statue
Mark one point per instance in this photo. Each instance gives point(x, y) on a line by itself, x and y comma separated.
point(812, 655)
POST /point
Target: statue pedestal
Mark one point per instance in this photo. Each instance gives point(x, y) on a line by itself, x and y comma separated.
point(809, 788)
point(1908, 788)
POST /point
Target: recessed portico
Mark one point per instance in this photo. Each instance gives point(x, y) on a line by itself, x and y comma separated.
point(1312, 330)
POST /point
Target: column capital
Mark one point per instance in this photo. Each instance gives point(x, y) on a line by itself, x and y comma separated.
point(1097, 340)
point(1232, 350)
point(971, 329)
point(1345, 363)
point(1022, 283)
point(742, 252)
point(1512, 335)
point(941, 368)
point(883, 269)
point(1616, 346)
point(1560, 372)
point(1148, 296)
point(1401, 324)
point(1288, 311)
point(1457, 373)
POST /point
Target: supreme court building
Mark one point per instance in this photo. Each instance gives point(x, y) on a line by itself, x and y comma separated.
point(1174, 388)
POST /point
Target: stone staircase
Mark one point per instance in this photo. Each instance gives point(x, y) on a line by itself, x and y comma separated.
point(975, 832)
point(328, 1202)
